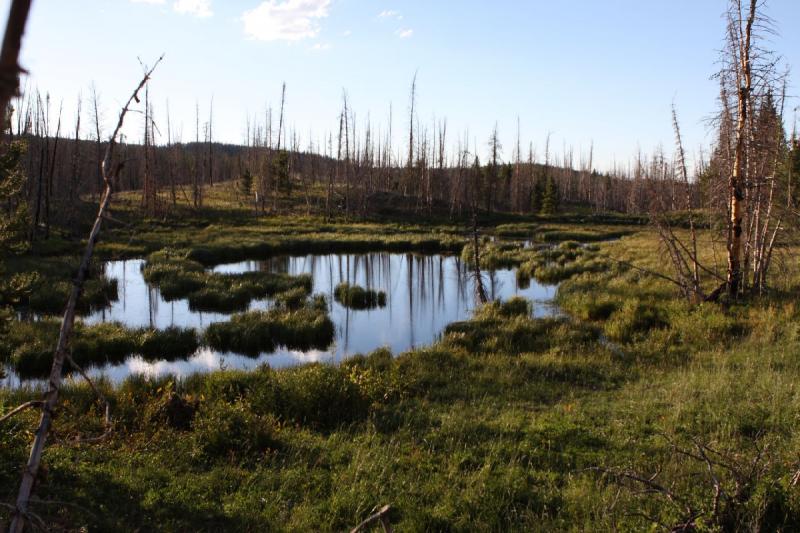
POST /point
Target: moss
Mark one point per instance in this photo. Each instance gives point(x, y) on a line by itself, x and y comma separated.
point(355, 297)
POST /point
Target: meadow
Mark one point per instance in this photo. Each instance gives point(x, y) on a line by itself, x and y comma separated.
point(632, 410)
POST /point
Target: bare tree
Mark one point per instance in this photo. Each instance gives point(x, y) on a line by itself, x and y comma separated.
point(111, 170)
point(9, 55)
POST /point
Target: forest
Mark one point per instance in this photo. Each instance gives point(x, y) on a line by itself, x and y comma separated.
point(393, 326)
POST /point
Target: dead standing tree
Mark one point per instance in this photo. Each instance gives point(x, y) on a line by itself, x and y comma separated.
point(9, 55)
point(110, 171)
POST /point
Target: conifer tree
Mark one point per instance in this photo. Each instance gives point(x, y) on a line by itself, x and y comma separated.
point(550, 196)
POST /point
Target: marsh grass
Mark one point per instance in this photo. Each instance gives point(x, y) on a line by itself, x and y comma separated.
point(564, 261)
point(359, 298)
point(509, 423)
point(179, 277)
point(256, 332)
point(32, 345)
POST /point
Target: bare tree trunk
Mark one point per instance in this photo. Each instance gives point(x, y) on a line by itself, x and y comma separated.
point(110, 172)
point(736, 185)
point(9, 55)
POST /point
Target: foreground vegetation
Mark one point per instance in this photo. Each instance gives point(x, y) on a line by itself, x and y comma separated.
point(507, 423)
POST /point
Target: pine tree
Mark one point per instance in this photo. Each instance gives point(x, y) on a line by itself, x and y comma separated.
point(13, 228)
point(537, 195)
point(550, 196)
point(13, 205)
point(246, 184)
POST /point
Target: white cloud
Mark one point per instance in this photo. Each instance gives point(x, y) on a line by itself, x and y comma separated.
point(148, 1)
point(319, 47)
point(288, 20)
point(197, 8)
point(390, 14)
point(404, 33)
point(347, 33)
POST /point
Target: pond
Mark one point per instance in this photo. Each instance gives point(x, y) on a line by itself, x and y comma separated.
point(424, 293)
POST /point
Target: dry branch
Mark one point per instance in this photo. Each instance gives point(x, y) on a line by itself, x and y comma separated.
point(19, 409)
point(9, 56)
point(110, 171)
point(382, 516)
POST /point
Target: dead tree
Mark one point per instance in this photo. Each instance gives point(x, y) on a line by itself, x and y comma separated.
point(740, 42)
point(9, 55)
point(110, 170)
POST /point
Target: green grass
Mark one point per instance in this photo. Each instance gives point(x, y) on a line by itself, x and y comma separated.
point(508, 423)
point(355, 297)
point(256, 332)
point(31, 345)
point(179, 277)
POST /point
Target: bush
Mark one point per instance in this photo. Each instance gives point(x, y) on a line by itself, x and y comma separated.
point(321, 396)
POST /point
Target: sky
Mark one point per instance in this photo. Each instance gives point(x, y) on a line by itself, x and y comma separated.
point(586, 72)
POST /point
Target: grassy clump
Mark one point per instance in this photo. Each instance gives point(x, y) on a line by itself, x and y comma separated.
point(170, 344)
point(256, 332)
point(50, 297)
point(581, 235)
point(33, 344)
point(292, 298)
point(495, 255)
point(516, 231)
point(562, 262)
point(179, 277)
point(356, 297)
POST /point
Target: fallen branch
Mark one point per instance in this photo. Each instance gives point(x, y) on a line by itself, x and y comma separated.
point(380, 516)
point(110, 172)
point(19, 409)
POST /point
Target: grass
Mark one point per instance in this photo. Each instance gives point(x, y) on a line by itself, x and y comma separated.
point(179, 277)
point(356, 297)
point(564, 261)
point(257, 332)
point(31, 345)
point(508, 423)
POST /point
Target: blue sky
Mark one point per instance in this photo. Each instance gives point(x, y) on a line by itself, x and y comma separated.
point(582, 70)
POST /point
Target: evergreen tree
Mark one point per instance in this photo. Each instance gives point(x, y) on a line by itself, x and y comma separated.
point(280, 169)
point(537, 195)
point(15, 219)
point(793, 173)
point(13, 227)
point(246, 184)
point(550, 196)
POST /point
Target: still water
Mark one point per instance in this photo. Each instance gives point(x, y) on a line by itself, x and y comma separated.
point(424, 294)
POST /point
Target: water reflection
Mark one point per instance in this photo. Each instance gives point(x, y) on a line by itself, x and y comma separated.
point(423, 293)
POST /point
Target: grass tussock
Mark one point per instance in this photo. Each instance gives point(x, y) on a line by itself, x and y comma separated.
point(32, 344)
point(562, 262)
point(256, 332)
point(356, 297)
point(179, 277)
